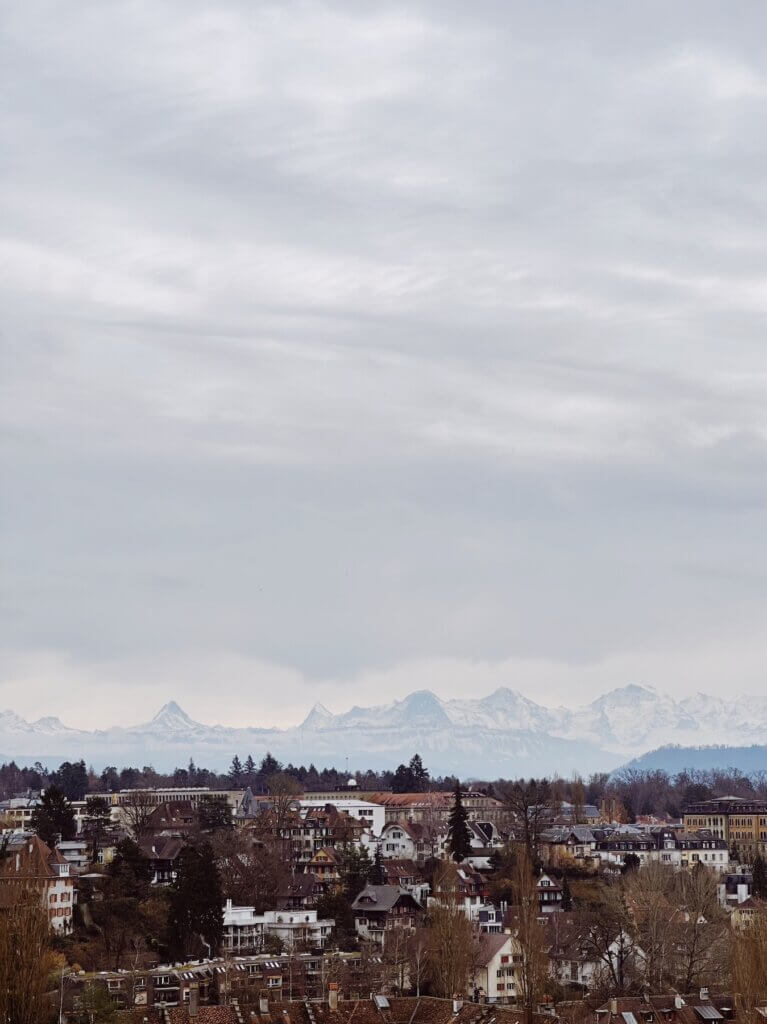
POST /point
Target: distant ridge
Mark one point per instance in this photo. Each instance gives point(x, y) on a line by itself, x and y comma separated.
point(502, 734)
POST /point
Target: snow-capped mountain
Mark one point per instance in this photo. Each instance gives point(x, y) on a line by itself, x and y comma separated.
point(504, 733)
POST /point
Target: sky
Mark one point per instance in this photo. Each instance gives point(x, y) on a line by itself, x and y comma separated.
point(349, 349)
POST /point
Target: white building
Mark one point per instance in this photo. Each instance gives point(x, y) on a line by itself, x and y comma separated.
point(246, 930)
point(372, 816)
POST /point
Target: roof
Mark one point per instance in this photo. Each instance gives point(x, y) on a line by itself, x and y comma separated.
point(382, 898)
point(489, 944)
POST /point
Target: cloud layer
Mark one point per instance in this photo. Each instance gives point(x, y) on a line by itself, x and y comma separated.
point(348, 349)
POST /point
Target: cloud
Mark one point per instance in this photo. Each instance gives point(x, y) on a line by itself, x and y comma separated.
point(344, 344)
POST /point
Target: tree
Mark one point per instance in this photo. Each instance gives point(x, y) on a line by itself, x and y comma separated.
point(252, 874)
point(567, 896)
point(418, 773)
point(214, 812)
point(608, 941)
point(97, 1005)
point(97, 822)
point(354, 869)
point(451, 950)
point(418, 959)
point(459, 835)
point(630, 863)
point(136, 810)
point(649, 893)
point(26, 960)
point(53, 818)
point(533, 968)
point(700, 932)
point(378, 871)
point(403, 780)
point(530, 805)
point(284, 792)
point(72, 779)
point(759, 878)
point(195, 917)
point(235, 771)
point(749, 970)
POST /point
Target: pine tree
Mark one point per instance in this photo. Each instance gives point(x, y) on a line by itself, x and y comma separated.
point(418, 774)
point(378, 872)
point(195, 915)
point(567, 896)
point(459, 835)
point(235, 772)
point(53, 817)
point(759, 878)
point(250, 769)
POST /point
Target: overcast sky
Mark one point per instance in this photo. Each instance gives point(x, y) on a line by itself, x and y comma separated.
point(354, 348)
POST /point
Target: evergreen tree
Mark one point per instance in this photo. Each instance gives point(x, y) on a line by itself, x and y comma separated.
point(378, 871)
point(235, 771)
point(250, 769)
point(759, 878)
point(403, 780)
point(195, 917)
point(97, 822)
point(418, 774)
point(459, 836)
point(53, 817)
point(567, 896)
point(630, 863)
point(214, 812)
point(71, 779)
point(354, 869)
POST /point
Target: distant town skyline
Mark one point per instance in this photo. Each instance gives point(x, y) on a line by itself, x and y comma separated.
point(347, 351)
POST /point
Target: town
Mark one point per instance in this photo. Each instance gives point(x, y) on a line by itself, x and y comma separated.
point(280, 894)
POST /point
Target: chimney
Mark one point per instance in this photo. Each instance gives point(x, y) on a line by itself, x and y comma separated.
point(678, 1002)
point(333, 995)
point(704, 995)
point(614, 1007)
point(194, 999)
point(263, 1006)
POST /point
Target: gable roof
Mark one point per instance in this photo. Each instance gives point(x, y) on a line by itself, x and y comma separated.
point(383, 898)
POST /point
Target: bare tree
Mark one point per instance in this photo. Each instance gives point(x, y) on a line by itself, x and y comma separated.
point(700, 930)
point(749, 970)
point(649, 893)
point(284, 793)
point(530, 804)
point(418, 959)
point(608, 941)
point(26, 960)
point(136, 811)
point(534, 966)
point(451, 951)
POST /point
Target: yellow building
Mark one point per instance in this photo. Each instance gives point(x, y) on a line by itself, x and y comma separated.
point(740, 821)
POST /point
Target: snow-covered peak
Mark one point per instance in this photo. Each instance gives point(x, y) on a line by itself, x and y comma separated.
point(318, 718)
point(173, 718)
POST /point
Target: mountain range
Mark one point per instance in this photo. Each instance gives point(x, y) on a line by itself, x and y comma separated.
point(502, 734)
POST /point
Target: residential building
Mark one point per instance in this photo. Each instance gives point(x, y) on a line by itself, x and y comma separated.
point(494, 973)
point(382, 908)
point(30, 863)
point(245, 930)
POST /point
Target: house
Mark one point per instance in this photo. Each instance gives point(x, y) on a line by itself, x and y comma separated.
point(325, 866)
point(301, 892)
point(411, 840)
point(30, 863)
point(245, 930)
point(405, 874)
point(549, 894)
point(75, 853)
point(370, 815)
point(163, 853)
point(173, 818)
point(379, 909)
point(496, 961)
point(740, 822)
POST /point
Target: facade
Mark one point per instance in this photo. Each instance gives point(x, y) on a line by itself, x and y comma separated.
point(245, 930)
point(370, 815)
point(379, 909)
point(741, 823)
point(494, 976)
point(30, 863)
